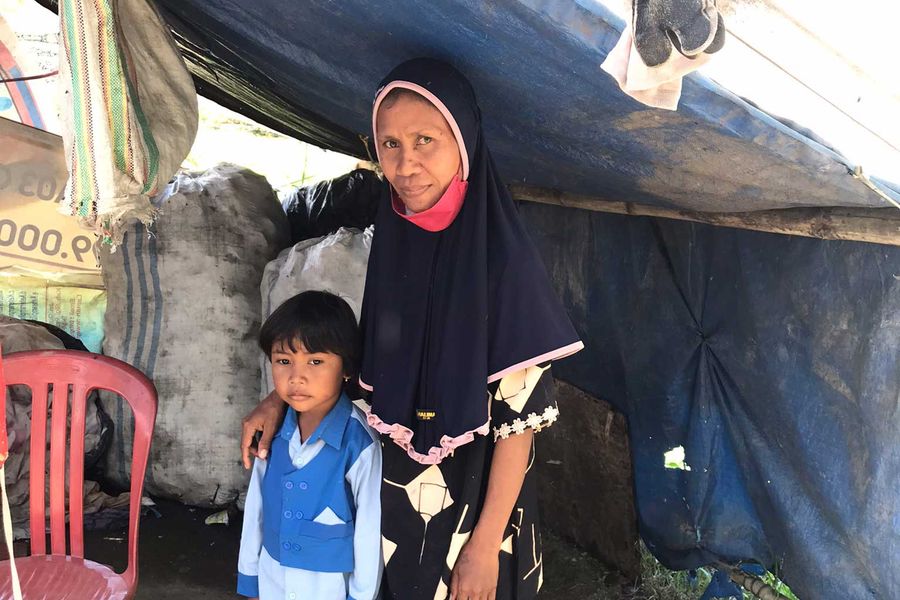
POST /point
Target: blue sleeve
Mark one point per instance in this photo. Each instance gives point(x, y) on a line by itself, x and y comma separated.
point(365, 481)
point(248, 585)
point(251, 534)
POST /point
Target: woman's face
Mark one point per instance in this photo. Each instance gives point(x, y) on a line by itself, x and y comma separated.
point(418, 152)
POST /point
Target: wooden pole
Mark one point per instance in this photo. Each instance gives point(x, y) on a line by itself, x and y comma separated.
point(875, 225)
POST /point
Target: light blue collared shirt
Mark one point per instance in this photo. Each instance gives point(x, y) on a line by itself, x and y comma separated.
point(261, 574)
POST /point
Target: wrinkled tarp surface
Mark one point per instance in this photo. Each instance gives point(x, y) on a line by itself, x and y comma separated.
point(773, 360)
point(553, 118)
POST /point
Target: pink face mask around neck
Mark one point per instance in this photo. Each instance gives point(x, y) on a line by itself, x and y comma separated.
point(439, 216)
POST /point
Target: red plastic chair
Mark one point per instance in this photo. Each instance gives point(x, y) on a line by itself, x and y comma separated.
point(62, 575)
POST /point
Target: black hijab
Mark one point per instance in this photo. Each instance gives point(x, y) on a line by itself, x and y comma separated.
point(447, 312)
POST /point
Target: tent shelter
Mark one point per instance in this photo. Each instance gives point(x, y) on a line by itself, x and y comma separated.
point(772, 359)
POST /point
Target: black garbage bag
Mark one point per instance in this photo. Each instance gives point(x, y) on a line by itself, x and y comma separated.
point(91, 457)
point(351, 200)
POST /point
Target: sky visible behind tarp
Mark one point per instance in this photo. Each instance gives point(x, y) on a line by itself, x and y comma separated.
point(553, 118)
point(827, 66)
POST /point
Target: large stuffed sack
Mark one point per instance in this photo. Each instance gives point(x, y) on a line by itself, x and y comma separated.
point(335, 263)
point(184, 308)
point(19, 336)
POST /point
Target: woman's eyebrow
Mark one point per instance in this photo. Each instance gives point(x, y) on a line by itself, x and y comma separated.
point(411, 131)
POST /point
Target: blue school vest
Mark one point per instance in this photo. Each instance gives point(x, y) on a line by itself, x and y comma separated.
point(292, 498)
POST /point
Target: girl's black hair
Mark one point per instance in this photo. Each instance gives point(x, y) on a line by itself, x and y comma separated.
point(321, 321)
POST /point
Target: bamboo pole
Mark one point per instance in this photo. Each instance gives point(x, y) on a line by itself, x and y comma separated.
point(752, 584)
point(875, 225)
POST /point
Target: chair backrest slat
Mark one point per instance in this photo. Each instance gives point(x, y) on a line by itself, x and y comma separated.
point(84, 372)
point(38, 447)
point(59, 409)
point(76, 469)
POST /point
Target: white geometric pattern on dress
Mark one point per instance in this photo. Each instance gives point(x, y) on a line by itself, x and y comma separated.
point(442, 592)
point(518, 527)
point(458, 540)
point(387, 549)
point(538, 560)
point(531, 457)
point(428, 494)
point(516, 388)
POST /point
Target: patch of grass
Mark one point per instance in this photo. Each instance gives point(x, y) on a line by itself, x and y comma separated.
point(659, 583)
point(780, 586)
point(571, 573)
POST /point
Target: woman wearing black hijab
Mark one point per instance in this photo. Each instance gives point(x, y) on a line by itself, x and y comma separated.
point(460, 324)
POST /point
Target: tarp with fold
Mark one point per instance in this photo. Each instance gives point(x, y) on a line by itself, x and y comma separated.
point(553, 117)
point(774, 361)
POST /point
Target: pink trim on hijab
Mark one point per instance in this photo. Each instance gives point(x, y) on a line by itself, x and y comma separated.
point(546, 357)
point(414, 87)
point(402, 436)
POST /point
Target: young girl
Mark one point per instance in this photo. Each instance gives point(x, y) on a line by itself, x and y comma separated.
point(312, 516)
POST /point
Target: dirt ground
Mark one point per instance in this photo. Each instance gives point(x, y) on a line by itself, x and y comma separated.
point(181, 558)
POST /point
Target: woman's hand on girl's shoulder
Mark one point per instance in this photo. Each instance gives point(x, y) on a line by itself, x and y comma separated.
point(266, 419)
point(476, 572)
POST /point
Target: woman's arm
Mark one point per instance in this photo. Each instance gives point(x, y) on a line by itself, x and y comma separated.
point(266, 418)
point(477, 569)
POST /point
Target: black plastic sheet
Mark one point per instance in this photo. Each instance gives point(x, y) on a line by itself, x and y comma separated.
point(348, 201)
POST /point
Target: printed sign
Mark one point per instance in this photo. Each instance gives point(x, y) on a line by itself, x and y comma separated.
point(67, 302)
point(33, 234)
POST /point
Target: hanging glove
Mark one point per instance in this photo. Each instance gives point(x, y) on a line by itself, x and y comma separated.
point(692, 26)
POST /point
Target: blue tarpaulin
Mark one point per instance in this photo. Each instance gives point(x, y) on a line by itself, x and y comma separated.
point(553, 118)
point(772, 360)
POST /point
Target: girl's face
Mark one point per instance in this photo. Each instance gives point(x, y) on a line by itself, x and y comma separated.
point(308, 382)
point(418, 152)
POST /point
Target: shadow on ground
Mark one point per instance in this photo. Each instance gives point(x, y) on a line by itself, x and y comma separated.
point(181, 558)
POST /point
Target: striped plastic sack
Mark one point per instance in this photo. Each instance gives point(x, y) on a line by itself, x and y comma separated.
point(129, 111)
point(184, 307)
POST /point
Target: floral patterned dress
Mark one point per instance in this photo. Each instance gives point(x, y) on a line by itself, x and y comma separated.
point(430, 511)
